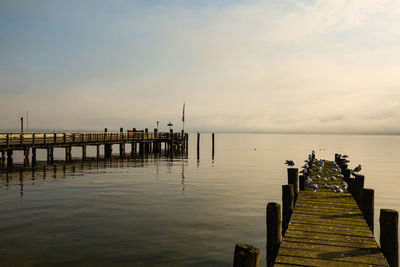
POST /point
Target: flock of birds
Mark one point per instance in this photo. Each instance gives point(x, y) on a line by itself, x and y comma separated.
point(324, 173)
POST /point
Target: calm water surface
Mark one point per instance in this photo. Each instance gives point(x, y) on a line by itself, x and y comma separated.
point(170, 212)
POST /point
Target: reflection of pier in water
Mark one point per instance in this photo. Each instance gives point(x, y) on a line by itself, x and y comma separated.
point(19, 175)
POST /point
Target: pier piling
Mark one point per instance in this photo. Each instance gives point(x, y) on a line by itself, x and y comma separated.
point(287, 206)
point(246, 256)
point(368, 206)
point(389, 236)
point(293, 178)
point(274, 226)
point(198, 146)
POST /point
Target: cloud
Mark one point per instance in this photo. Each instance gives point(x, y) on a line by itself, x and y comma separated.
point(315, 66)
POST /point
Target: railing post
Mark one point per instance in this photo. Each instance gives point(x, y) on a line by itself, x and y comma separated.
point(389, 236)
point(65, 138)
point(8, 140)
point(274, 226)
point(44, 138)
point(33, 139)
point(55, 138)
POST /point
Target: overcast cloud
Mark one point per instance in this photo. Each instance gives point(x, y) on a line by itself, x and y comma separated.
point(265, 66)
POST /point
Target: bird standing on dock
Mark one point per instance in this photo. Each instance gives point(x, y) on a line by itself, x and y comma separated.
point(289, 162)
point(357, 169)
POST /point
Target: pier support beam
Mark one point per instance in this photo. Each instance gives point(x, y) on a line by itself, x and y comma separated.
point(3, 158)
point(389, 236)
point(68, 155)
point(50, 154)
point(9, 158)
point(97, 151)
point(133, 149)
point(33, 155)
point(107, 150)
point(274, 226)
point(83, 152)
point(26, 156)
point(122, 150)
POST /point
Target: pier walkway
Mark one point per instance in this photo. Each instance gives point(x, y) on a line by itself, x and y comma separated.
point(328, 229)
point(141, 141)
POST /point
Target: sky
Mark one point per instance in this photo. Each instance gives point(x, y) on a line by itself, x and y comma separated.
point(329, 66)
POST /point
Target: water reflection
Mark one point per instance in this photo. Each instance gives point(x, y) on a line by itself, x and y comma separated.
point(20, 175)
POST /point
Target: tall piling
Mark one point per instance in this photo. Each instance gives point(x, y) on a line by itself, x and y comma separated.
point(389, 236)
point(287, 206)
point(198, 146)
point(213, 142)
point(367, 206)
point(274, 226)
point(293, 178)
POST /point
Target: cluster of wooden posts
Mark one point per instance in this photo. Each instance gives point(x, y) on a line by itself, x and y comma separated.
point(140, 141)
point(278, 223)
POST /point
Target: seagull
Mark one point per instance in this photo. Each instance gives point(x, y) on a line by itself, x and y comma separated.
point(315, 186)
point(326, 186)
point(344, 185)
point(303, 171)
point(339, 190)
point(345, 156)
point(332, 178)
point(358, 168)
point(289, 162)
point(308, 180)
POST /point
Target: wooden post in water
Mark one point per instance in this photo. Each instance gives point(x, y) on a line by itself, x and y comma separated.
point(358, 187)
point(213, 139)
point(293, 178)
point(121, 145)
point(287, 206)
point(367, 206)
point(198, 146)
point(68, 153)
point(97, 151)
point(26, 156)
point(389, 236)
point(246, 256)
point(302, 182)
point(83, 152)
point(9, 158)
point(274, 226)
point(33, 155)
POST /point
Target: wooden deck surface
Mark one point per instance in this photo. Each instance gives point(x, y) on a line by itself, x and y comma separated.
point(328, 229)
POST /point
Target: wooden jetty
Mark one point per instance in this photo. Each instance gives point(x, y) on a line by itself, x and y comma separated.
point(329, 221)
point(140, 141)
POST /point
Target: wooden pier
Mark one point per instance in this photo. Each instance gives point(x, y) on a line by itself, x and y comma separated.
point(140, 142)
point(327, 220)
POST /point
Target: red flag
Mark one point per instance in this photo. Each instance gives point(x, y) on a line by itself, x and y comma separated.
point(183, 114)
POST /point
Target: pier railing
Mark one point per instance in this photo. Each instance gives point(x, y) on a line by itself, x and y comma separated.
point(33, 139)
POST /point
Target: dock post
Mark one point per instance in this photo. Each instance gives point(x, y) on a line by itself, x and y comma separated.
point(33, 155)
point(107, 150)
point(388, 221)
point(358, 187)
point(302, 183)
point(50, 154)
point(26, 156)
point(97, 151)
point(121, 145)
point(293, 178)
point(198, 146)
point(246, 256)
point(287, 206)
point(368, 206)
point(274, 226)
point(3, 158)
point(83, 152)
point(213, 139)
point(133, 148)
point(68, 153)
point(9, 157)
